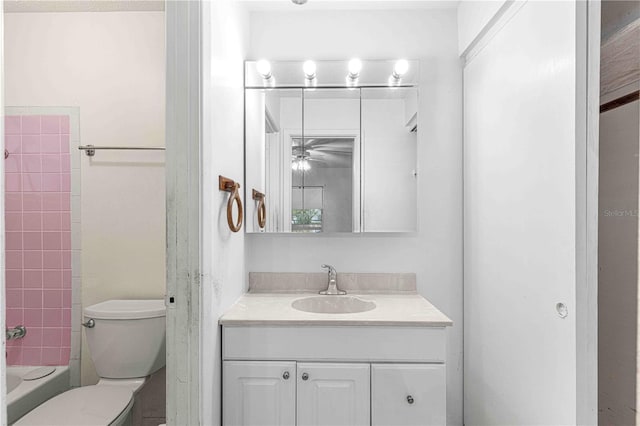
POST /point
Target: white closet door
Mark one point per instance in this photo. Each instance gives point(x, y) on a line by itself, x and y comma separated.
point(333, 394)
point(525, 221)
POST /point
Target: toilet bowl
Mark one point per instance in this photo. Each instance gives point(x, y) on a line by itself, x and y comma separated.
point(127, 343)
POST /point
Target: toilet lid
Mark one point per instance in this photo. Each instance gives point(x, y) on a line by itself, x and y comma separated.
point(86, 406)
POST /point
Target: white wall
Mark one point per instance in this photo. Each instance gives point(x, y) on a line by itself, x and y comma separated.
point(223, 279)
point(111, 66)
point(435, 251)
point(618, 264)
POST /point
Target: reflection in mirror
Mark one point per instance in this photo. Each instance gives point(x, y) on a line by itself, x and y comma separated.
point(389, 152)
point(323, 201)
point(272, 118)
point(329, 158)
point(332, 160)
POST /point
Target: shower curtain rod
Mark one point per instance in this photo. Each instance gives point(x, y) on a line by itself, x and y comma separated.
point(90, 150)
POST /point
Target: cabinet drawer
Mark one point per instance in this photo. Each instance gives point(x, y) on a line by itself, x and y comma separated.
point(411, 394)
point(339, 343)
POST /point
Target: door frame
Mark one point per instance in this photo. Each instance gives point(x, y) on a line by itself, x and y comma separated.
point(183, 203)
point(587, 176)
point(3, 361)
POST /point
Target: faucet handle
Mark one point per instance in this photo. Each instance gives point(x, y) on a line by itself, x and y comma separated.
point(330, 269)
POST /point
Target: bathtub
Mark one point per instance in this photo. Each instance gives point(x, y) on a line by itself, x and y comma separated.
point(25, 395)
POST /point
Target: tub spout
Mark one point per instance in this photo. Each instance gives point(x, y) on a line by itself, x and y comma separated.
point(17, 332)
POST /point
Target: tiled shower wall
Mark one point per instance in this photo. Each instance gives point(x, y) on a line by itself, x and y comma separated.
point(38, 238)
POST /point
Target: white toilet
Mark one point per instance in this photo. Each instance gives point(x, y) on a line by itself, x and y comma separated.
point(126, 339)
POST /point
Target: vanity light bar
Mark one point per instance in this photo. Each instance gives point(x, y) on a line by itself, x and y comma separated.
point(400, 68)
point(309, 69)
point(355, 66)
point(262, 70)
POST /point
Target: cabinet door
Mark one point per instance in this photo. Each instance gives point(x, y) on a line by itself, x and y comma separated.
point(333, 394)
point(259, 393)
point(411, 394)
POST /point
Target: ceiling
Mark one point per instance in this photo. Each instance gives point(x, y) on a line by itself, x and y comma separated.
point(266, 5)
point(26, 6)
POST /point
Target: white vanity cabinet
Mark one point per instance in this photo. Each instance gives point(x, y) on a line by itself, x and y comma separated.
point(337, 376)
point(259, 393)
point(333, 394)
point(408, 394)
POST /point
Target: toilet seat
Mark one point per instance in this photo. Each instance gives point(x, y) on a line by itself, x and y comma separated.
point(83, 406)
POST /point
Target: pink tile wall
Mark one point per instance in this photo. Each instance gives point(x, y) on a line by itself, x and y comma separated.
point(38, 238)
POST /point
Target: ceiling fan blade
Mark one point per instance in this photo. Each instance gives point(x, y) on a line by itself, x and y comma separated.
point(328, 142)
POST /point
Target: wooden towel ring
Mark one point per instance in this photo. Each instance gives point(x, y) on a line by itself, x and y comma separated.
point(262, 207)
point(229, 185)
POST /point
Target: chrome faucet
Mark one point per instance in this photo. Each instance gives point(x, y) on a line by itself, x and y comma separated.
point(332, 286)
point(17, 332)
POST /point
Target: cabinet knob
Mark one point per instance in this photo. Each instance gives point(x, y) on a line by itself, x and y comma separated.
point(285, 375)
point(305, 376)
point(409, 399)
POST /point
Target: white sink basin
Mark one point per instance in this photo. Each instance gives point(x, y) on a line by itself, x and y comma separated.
point(333, 305)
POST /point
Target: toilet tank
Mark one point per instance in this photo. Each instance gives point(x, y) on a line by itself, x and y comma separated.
point(127, 339)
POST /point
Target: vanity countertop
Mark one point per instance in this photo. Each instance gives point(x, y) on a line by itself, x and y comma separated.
point(391, 310)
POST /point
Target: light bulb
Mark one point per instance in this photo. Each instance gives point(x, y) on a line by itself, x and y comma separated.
point(300, 164)
point(264, 69)
point(309, 68)
point(400, 68)
point(355, 66)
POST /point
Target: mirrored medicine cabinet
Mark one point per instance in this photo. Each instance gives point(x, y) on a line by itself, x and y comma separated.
point(332, 146)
